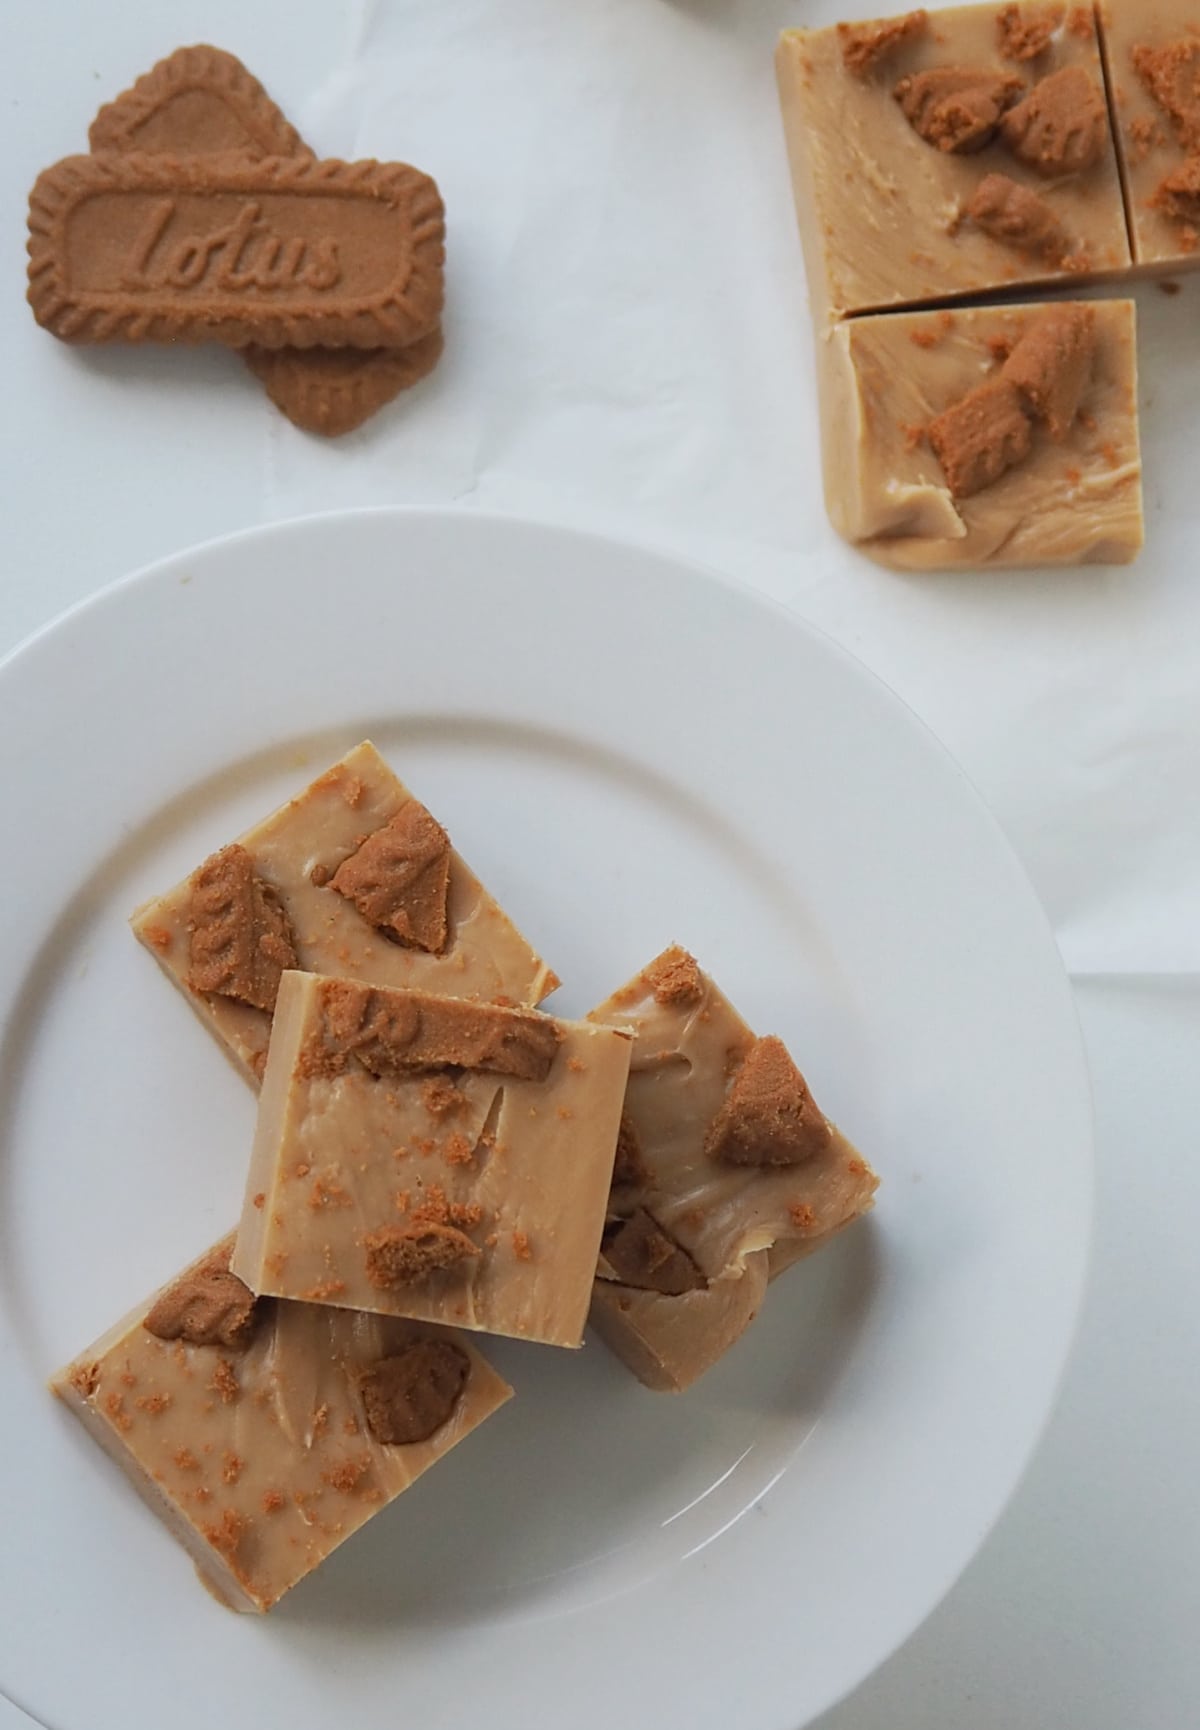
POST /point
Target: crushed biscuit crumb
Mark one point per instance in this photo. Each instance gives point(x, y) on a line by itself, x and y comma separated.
point(114, 1406)
point(84, 1378)
point(521, 1249)
point(957, 108)
point(1024, 34)
point(347, 1475)
point(865, 45)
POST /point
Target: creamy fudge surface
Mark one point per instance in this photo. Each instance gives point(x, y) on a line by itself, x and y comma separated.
point(1152, 54)
point(726, 1172)
point(1053, 494)
point(893, 125)
point(368, 887)
point(431, 1158)
point(263, 1434)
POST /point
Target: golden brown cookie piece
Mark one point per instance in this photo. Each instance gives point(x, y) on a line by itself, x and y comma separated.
point(1061, 127)
point(280, 251)
point(957, 108)
point(980, 437)
point(1171, 73)
point(408, 1397)
point(643, 1254)
point(332, 391)
point(199, 101)
point(769, 1117)
point(675, 977)
point(1015, 214)
point(208, 1306)
point(240, 940)
point(399, 879)
point(397, 1032)
point(409, 1255)
point(1051, 364)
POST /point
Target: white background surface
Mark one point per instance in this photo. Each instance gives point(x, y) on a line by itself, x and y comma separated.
point(628, 348)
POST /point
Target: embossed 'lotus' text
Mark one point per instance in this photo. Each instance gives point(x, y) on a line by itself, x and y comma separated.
point(244, 253)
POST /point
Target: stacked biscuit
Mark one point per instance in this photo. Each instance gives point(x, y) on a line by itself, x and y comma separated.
point(202, 216)
point(434, 1158)
point(939, 158)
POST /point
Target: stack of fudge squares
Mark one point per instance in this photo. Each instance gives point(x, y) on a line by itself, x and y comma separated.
point(434, 1158)
point(940, 158)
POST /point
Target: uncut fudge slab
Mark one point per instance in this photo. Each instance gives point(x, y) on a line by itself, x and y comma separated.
point(368, 887)
point(1152, 53)
point(426, 1157)
point(1067, 481)
point(263, 1434)
point(726, 1173)
point(892, 127)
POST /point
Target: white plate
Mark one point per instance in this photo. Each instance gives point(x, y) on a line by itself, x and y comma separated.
point(629, 751)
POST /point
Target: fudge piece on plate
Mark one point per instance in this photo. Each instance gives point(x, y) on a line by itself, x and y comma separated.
point(1152, 53)
point(985, 435)
point(726, 1172)
point(427, 1157)
point(263, 1434)
point(354, 877)
point(894, 125)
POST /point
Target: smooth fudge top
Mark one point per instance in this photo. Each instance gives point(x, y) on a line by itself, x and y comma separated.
point(1152, 52)
point(723, 1150)
point(429, 1157)
point(353, 876)
point(985, 435)
point(265, 1433)
point(940, 154)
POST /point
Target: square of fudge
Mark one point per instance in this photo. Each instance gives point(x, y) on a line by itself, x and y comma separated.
point(263, 1434)
point(1152, 55)
point(941, 154)
point(353, 876)
point(980, 436)
point(427, 1157)
point(726, 1173)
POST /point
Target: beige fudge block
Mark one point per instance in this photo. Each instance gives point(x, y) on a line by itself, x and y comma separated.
point(430, 1158)
point(726, 1173)
point(264, 1434)
point(1152, 53)
point(886, 214)
point(295, 856)
point(884, 379)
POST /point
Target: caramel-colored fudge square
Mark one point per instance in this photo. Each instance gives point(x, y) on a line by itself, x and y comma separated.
point(893, 125)
point(886, 381)
point(264, 1434)
point(431, 1158)
point(368, 887)
point(1152, 52)
point(726, 1173)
